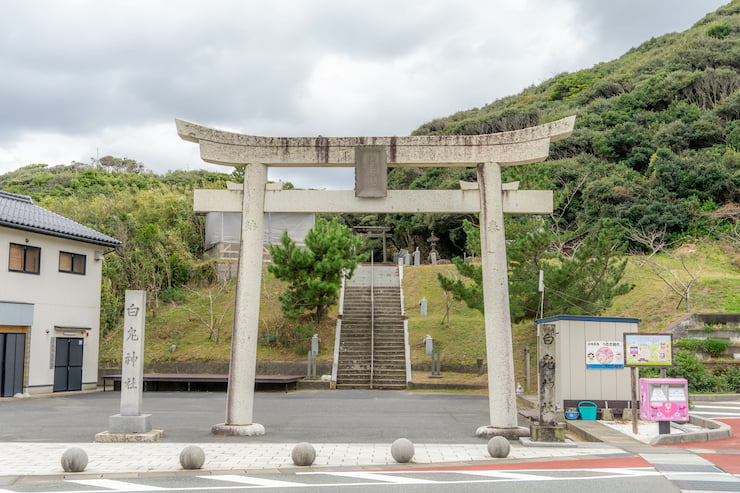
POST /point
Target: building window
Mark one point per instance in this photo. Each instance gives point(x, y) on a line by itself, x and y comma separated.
point(73, 263)
point(24, 258)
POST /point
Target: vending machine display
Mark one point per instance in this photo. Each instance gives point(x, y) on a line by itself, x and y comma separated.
point(664, 399)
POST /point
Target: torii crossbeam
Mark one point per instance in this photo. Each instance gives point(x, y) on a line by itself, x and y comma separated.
point(371, 156)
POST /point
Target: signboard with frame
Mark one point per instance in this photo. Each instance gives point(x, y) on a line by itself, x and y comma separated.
point(601, 355)
point(648, 350)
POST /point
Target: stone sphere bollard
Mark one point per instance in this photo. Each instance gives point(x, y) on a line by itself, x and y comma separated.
point(303, 454)
point(499, 447)
point(74, 460)
point(192, 457)
point(402, 450)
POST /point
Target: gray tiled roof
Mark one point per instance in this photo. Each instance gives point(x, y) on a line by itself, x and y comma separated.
point(19, 212)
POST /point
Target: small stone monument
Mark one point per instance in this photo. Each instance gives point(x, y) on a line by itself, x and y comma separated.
point(433, 254)
point(417, 257)
point(130, 424)
point(548, 428)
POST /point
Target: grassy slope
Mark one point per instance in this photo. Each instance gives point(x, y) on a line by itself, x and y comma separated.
point(462, 343)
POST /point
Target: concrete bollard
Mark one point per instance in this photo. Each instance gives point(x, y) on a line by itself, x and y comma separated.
point(303, 454)
point(499, 447)
point(402, 450)
point(74, 460)
point(192, 457)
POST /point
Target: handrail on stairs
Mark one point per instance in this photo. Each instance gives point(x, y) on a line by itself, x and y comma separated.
point(372, 318)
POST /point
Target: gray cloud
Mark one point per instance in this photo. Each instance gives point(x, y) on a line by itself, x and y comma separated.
point(87, 77)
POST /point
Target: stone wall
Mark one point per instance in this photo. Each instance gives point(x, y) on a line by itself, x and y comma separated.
point(680, 328)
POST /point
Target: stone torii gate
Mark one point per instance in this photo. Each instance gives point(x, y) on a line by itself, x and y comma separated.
point(371, 156)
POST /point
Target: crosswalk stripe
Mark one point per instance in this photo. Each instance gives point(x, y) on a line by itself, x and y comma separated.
point(112, 484)
point(256, 481)
point(710, 406)
point(508, 475)
point(714, 413)
point(382, 477)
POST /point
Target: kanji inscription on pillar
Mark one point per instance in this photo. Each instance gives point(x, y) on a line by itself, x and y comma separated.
point(547, 341)
point(132, 362)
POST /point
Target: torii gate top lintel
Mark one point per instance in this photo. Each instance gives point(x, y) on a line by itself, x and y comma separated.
point(516, 147)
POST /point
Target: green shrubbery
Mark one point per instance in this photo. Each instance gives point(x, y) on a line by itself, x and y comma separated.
point(713, 347)
point(700, 379)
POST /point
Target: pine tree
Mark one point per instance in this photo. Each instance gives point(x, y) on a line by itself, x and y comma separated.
point(314, 274)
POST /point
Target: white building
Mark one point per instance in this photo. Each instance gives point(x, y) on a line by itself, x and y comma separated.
point(49, 299)
point(223, 229)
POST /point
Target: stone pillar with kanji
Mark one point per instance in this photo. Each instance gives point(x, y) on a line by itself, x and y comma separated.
point(131, 419)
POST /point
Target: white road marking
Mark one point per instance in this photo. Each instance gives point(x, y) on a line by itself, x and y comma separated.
point(256, 481)
point(709, 406)
point(507, 475)
point(713, 413)
point(112, 484)
point(382, 477)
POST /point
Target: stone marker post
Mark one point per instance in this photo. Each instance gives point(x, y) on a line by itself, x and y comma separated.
point(548, 428)
point(131, 420)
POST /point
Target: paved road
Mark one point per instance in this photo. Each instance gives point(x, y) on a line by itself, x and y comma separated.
point(350, 417)
point(466, 479)
point(318, 416)
point(717, 410)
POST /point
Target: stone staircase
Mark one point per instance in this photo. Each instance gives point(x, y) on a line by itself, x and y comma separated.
point(359, 358)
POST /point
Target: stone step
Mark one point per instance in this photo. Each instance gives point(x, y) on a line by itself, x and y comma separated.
point(366, 315)
point(384, 373)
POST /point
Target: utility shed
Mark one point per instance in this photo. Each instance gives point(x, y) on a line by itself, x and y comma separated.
point(589, 357)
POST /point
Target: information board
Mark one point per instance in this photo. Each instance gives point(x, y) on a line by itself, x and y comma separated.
point(648, 349)
point(602, 355)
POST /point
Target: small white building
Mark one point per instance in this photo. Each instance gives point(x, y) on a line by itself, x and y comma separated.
point(223, 229)
point(49, 299)
point(589, 358)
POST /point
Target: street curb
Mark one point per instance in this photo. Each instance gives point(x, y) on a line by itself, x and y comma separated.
point(713, 430)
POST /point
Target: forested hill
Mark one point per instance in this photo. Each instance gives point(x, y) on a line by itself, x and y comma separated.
point(654, 160)
point(151, 214)
point(656, 141)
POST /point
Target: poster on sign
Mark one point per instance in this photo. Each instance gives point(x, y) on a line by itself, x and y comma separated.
point(602, 355)
point(649, 349)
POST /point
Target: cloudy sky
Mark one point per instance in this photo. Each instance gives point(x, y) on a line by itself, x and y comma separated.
point(87, 78)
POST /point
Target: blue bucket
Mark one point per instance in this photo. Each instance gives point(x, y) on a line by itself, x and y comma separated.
point(587, 410)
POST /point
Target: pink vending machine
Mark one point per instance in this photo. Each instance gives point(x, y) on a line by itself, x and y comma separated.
point(664, 399)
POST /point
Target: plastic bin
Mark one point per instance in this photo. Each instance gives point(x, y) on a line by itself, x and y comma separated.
point(587, 410)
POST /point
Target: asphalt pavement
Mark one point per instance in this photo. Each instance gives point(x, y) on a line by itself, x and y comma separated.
point(350, 431)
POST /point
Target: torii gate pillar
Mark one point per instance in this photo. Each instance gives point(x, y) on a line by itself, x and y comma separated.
point(497, 313)
point(243, 365)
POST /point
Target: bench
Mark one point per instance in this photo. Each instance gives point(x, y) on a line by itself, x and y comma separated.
point(203, 378)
